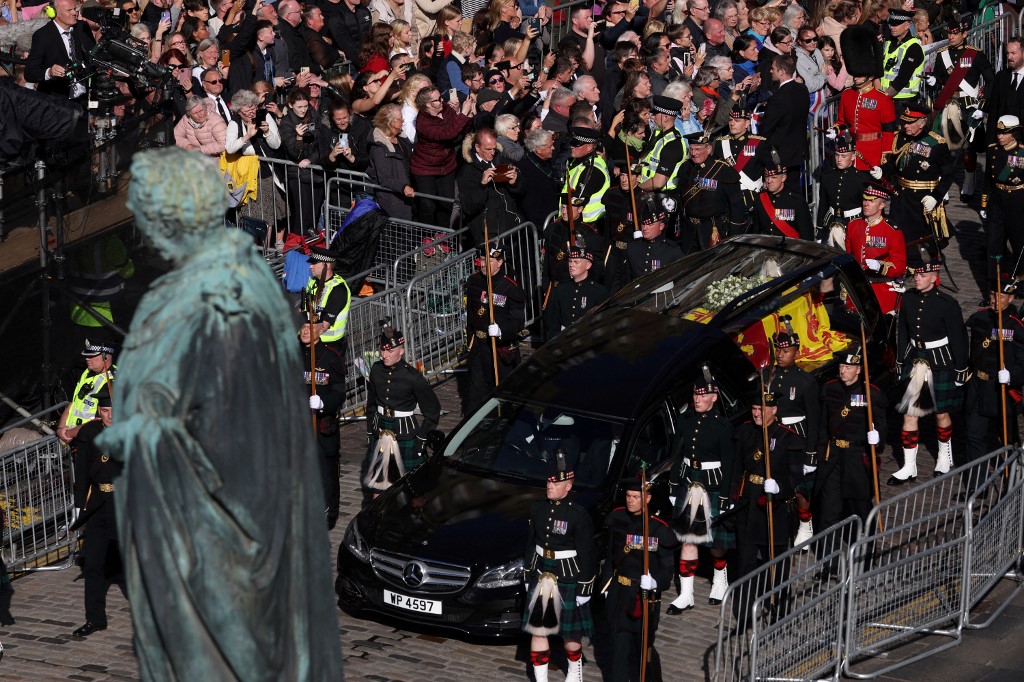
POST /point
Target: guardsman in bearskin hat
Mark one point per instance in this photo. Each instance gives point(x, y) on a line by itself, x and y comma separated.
point(587, 173)
point(702, 468)
point(558, 243)
point(393, 391)
point(867, 113)
point(959, 73)
point(983, 399)
point(795, 393)
point(628, 587)
point(95, 473)
point(508, 300)
point(325, 383)
point(744, 152)
point(711, 196)
point(903, 61)
point(842, 484)
point(780, 210)
point(932, 356)
point(923, 167)
point(559, 569)
point(1003, 206)
point(878, 246)
point(840, 190)
point(649, 250)
point(573, 299)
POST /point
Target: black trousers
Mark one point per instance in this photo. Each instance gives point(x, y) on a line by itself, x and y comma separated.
point(305, 200)
point(330, 472)
point(102, 564)
point(627, 635)
point(1004, 226)
point(481, 372)
point(431, 211)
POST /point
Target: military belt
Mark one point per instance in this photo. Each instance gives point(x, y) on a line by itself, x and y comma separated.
point(931, 345)
point(390, 412)
point(555, 554)
point(106, 487)
point(623, 580)
point(868, 137)
point(756, 479)
point(919, 184)
point(788, 421)
point(696, 220)
point(1008, 188)
point(984, 376)
point(480, 335)
point(841, 443)
point(698, 465)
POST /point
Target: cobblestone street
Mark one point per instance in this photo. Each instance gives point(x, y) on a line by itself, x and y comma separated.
point(48, 605)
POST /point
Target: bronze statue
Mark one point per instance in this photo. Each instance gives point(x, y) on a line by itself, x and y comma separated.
point(220, 503)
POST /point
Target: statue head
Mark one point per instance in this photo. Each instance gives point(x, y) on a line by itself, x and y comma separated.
point(178, 198)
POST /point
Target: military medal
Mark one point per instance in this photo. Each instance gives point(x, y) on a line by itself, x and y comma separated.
point(844, 412)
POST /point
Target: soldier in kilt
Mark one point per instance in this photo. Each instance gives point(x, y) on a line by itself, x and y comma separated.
point(398, 439)
point(932, 356)
point(701, 471)
point(559, 569)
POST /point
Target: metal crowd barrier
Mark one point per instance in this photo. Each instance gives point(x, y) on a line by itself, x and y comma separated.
point(561, 22)
point(37, 500)
point(362, 335)
point(910, 571)
point(784, 620)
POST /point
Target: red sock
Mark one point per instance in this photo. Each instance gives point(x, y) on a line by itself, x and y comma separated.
point(574, 656)
point(540, 657)
point(945, 433)
point(909, 439)
point(687, 568)
point(803, 514)
point(720, 564)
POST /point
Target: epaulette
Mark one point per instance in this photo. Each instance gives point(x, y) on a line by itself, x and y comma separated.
point(875, 387)
point(619, 508)
point(994, 144)
point(511, 280)
point(723, 137)
point(938, 138)
point(757, 137)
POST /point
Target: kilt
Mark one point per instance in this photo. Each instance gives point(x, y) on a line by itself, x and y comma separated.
point(721, 537)
point(574, 622)
point(948, 397)
point(405, 429)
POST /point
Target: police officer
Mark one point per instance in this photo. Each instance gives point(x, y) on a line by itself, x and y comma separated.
point(702, 469)
point(842, 484)
point(99, 372)
point(587, 173)
point(778, 209)
point(663, 154)
point(795, 393)
point(509, 304)
point(878, 246)
point(95, 472)
point(329, 295)
point(628, 587)
point(989, 378)
point(561, 559)
point(903, 61)
point(959, 72)
point(650, 251)
point(840, 187)
point(393, 391)
point(1003, 205)
point(932, 354)
point(923, 168)
point(573, 299)
point(326, 385)
point(744, 152)
point(711, 197)
point(557, 243)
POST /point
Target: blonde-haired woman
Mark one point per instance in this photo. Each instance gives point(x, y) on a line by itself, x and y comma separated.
point(401, 38)
point(389, 164)
point(407, 98)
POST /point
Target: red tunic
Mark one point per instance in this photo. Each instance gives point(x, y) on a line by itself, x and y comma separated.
point(884, 243)
point(871, 117)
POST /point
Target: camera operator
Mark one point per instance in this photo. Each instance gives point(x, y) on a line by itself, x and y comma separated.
point(55, 47)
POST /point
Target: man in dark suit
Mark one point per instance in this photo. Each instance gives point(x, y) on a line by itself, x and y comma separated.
point(1006, 97)
point(55, 47)
point(785, 118)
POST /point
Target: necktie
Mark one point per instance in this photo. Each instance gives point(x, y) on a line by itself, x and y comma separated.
point(223, 110)
point(1016, 79)
point(71, 46)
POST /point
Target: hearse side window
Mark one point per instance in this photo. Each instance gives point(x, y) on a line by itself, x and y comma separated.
point(653, 443)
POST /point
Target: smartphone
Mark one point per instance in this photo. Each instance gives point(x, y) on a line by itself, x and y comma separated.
point(453, 95)
point(703, 48)
point(343, 141)
point(304, 69)
point(165, 16)
point(225, 57)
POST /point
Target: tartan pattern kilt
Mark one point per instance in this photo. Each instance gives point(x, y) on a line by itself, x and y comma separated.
point(406, 441)
point(948, 397)
point(574, 622)
point(721, 538)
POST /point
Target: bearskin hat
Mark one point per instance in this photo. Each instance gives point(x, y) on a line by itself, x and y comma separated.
point(862, 51)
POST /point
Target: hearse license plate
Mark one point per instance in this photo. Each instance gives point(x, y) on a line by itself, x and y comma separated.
point(412, 603)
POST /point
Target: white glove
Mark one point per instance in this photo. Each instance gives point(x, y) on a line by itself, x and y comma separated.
point(978, 114)
point(493, 330)
point(1004, 376)
point(930, 80)
point(316, 402)
point(580, 601)
point(873, 438)
point(929, 203)
point(808, 469)
point(647, 582)
point(876, 172)
point(672, 500)
point(983, 214)
point(873, 264)
point(771, 486)
point(831, 133)
point(638, 234)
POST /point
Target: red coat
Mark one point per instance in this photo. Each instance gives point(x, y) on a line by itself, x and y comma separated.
point(437, 138)
point(871, 117)
point(882, 242)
